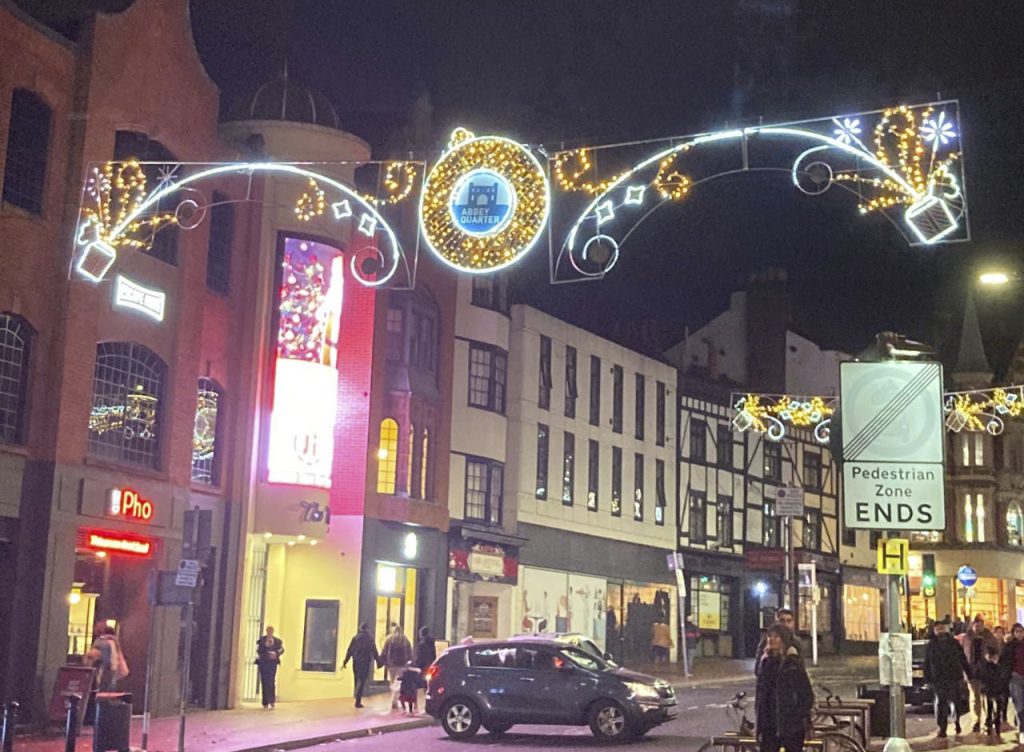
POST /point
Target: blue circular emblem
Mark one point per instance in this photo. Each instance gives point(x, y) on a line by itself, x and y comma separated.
point(482, 202)
point(967, 576)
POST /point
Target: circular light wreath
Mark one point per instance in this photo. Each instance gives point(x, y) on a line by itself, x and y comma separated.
point(482, 253)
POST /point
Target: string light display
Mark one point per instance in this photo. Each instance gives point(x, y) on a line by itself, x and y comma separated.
point(303, 326)
point(134, 418)
point(312, 203)
point(399, 179)
point(490, 161)
point(984, 409)
point(114, 194)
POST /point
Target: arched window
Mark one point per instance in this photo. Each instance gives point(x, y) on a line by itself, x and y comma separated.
point(387, 456)
point(205, 449)
point(411, 461)
point(1014, 525)
point(15, 338)
point(128, 386)
point(425, 490)
point(28, 147)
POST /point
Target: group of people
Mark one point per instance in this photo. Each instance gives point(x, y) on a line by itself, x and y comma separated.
point(989, 662)
point(404, 664)
point(784, 698)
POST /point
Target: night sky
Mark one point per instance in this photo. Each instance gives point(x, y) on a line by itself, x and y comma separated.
point(575, 73)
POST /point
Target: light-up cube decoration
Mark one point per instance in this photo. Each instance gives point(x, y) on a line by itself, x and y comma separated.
point(931, 219)
point(96, 260)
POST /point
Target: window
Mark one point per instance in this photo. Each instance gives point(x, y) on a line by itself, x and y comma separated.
point(593, 473)
point(616, 482)
point(485, 488)
point(205, 459)
point(387, 456)
point(641, 383)
point(698, 517)
point(638, 487)
point(128, 387)
point(320, 636)
point(974, 518)
point(812, 530)
point(131, 145)
point(873, 538)
point(28, 146)
point(542, 461)
point(395, 330)
point(659, 488)
point(1014, 525)
point(772, 461)
point(570, 381)
point(724, 441)
point(595, 390)
point(487, 370)
point(771, 527)
point(812, 471)
point(15, 338)
point(710, 599)
point(698, 440)
point(544, 390)
point(975, 441)
point(426, 467)
point(568, 469)
point(218, 251)
point(659, 415)
point(490, 291)
point(849, 536)
point(617, 378)
point(423, 343)
point(724, 521)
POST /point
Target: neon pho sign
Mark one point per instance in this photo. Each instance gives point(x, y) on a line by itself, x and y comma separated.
point(128, 504)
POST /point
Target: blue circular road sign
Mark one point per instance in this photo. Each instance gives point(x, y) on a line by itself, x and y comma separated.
point(967, 576)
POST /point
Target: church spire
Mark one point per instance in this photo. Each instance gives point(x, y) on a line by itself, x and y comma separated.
point(972, 369)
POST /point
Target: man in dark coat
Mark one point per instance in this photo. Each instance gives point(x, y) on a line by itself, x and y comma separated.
point(426, 650)
point(945, 667)
point(268, 657)
point(362, 651)
point(784, 698)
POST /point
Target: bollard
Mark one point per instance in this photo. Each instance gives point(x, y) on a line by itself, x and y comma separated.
point(71, 725)
point(10, 718)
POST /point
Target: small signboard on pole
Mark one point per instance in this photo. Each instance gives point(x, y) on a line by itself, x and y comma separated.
point(789, 501)
point(188, 573)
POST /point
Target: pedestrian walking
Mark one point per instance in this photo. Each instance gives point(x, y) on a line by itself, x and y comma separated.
point(409, 684)
point(661, 642)
point(784, 697)
point(1013, 661)
point(362, 651)
point(107, 657)
point(395, 654)
point(945, 667)
point(426, 649)
point(269, 650)
point(975, 641)
point(994, 680)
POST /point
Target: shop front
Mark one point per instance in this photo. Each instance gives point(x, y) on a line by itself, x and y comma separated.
point(816, 599)
point(483, 572)
point(713, 602)
point(863, 600)
point(762, 594)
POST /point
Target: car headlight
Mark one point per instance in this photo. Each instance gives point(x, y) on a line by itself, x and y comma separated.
point(643, 691)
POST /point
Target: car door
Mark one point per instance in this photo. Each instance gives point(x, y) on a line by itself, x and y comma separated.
point(522, 689)
point(569, 684)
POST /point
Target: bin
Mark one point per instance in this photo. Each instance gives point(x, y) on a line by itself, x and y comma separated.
point(880, 711)
point(113, 725)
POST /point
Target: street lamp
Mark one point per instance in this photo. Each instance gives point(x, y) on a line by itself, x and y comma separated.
point(994, 279)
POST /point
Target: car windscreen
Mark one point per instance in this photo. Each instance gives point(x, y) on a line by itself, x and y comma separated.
point(584, 659)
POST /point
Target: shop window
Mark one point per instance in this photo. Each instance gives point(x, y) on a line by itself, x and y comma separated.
point(595, 390)
point(659, 414)
point(205, 439)
point(926, 536)
point(15, 339)
point(218, 250)
point(638, 487)
point(570, 382)
point(320, 636)
point(130, 145)
point(1014, 525)
point(641, 388)
point(660, 501)
point(812, 530)
point(491, 292)
point(698, 440)
point(724, 521)
point(487, 372)
point(698, 517)
point(617, 385)
point(543, 433)
point(862, 609)
point(824, 609)
point(593, 473)
point(812, 471)
point(710, 599)
point(485, 481)
point(544, 375)
point(772, 461)
point(568, 469)
point(128, 385)
point(723, 439)
point(28, 147)
point(387, 456)
point(616, 500)
point(394, 328)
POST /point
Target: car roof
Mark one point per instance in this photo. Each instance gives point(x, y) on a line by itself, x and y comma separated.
point(511, 642)
point(551, 636)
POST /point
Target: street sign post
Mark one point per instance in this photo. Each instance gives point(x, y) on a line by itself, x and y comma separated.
point(677, 565)
point(894, 556)
point(188, 573)
point(789, 501)
point(967, 576)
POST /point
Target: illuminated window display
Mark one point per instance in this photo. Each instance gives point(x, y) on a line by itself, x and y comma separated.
point(862, 612)
point(306, 363)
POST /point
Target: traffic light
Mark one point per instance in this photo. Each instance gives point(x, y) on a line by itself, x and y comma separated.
point(928, 575)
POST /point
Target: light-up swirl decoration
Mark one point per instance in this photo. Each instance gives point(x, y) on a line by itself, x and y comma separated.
point(909, 169)
point(118, 213)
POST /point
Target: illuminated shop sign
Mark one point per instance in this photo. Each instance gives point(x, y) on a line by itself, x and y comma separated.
point(301, 444)
point(128, 504)
point(112, 542)
point(129, 294)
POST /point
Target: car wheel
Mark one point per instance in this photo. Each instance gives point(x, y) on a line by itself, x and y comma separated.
point(497, 729)
point(460, 719)
point(608, 721)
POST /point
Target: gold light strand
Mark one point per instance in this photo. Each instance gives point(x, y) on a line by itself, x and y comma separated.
point(671, 185)
point(117, 190)
point(312, 203)
point(570, 182)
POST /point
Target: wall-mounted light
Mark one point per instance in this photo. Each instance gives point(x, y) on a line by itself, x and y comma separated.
point(410, 546)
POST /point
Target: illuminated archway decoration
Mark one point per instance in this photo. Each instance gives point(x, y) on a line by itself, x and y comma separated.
point(119, 213)
point(484, 204)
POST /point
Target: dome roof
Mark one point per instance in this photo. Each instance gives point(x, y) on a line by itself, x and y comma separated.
point(282, 99)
